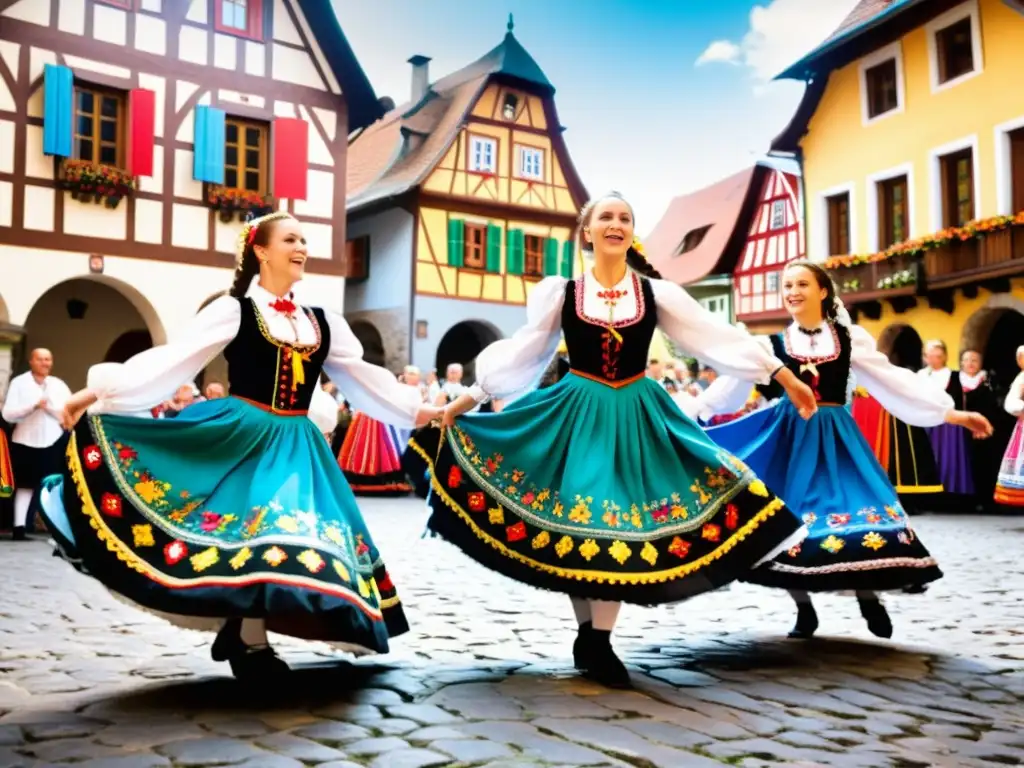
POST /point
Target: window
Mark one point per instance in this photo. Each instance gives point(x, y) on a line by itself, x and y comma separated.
point(245, 155)
point(357, 259)
point(482, 154)
point(954, 50)
point(778, 214)
point(771, 282)
point(892, 211)
point(534, 252)
point(1017, 170)
point(476, 247)
point(531, 163)
point(838, 224)
point(508, 111)
point(693, 238)
point(957, 171)
point(882, 89)
point(240, 17)
point(99, 126)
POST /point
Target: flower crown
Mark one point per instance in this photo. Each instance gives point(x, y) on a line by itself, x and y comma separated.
point(248, 233)
point(638, 246)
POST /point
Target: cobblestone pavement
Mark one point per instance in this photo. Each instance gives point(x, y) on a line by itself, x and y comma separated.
point(485, 677)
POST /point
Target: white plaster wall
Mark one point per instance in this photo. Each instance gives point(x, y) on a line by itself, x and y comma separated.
point(391, 242)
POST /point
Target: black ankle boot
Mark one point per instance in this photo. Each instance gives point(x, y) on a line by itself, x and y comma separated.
point(603, 666)
point(18, 534)
point(876, 616)
point(258, 665)
point(806, 622)
point(228, 642)
point(581, 647)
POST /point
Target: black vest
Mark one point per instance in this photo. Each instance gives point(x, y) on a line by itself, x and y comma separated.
point(262, 369)
point(833, 371)
point(596, 351)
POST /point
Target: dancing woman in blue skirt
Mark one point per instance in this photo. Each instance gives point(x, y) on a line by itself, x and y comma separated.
point(860, 536)
point(234, 516)
point(598, 486)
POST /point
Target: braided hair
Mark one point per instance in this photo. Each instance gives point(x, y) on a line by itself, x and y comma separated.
point(254, 232)
point(635, 258)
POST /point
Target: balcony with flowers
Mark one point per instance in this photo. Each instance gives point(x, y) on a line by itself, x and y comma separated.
point(94, 182)
point(982, 249)
point(231, 202)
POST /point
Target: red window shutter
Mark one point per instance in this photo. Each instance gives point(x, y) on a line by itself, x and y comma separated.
point(141, 130)
point(291, 157)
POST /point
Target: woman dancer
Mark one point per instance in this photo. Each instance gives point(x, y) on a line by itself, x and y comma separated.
point(860, 538)
point(598, 486)
point(950, 443)
point(234, 515)
point(1010, 486)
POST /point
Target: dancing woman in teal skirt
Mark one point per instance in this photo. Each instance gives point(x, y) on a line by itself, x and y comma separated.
point(599, 487)
point(234, 516)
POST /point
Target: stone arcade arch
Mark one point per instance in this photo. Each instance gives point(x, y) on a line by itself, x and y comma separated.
point(371, 339)
point(462, 343)
point(902, 345)
point(85, 319)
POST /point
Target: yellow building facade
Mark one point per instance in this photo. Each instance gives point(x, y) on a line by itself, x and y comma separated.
point(913, 126)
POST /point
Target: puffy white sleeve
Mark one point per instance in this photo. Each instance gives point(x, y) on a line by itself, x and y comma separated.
point(368, 388)
point(151, 377)
point(727, 394)
point(323, 411)
point(726, 348)
point(1014, 404)
point(511, 365)
point(898, 389)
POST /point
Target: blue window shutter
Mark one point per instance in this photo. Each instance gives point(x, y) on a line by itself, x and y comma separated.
point(58, 98)
point(208, 150)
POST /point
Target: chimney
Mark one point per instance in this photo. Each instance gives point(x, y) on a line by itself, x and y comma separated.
point(420, 77)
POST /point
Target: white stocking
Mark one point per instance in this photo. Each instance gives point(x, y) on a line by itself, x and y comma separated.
point(605, 614)
point(22, 499)
point(581, 608)
point(254, 633)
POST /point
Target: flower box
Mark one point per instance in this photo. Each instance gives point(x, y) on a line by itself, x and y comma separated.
point(242, 203)
point(92, 182)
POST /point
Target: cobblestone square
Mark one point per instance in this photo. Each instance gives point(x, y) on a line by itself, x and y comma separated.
point(485, 677)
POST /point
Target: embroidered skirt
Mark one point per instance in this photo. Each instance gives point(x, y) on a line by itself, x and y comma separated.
point(1010, 487)
point(418, 459)
point(371, 457)
point(860, 536)
point(603, 493)
point(226, 511)
point(6, 468)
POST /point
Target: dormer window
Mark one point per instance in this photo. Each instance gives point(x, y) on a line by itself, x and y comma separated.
point(693, 238)
point(881, 84)
point(954, 46)
point(240, 17)
point(508, 111)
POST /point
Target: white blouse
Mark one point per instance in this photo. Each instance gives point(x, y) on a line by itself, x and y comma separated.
point(897, 389)
point(1014, 404)
point(511, 365)
point(972, 381)
point(939, 378)
point(151, 377)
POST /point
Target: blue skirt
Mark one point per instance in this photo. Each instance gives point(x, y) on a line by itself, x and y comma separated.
point(226, 511)
point(603, 492)
point(860, 535)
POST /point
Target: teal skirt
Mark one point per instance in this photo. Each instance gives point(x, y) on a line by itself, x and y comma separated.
point(602, 492)
point(227, 510)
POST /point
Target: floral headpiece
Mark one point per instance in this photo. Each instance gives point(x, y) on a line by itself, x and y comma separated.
point(638, 246)
point(248, 233)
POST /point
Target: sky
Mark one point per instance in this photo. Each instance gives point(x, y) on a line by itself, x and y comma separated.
point(659, 98)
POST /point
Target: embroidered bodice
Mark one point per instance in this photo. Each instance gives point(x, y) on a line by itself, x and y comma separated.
point(279, 375)
point(611, 348)
point(828, 373)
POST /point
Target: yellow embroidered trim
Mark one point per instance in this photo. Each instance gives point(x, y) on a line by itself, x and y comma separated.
point(306, 348)
point(654, 577)
point(136, 563)
point(919, 488)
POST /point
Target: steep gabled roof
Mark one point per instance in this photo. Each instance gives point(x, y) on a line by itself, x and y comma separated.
point(724, 209)
point(397, 152)
point(363, 107)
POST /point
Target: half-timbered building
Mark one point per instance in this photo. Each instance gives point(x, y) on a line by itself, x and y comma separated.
point(135, 135)
point(459, 201)
point(728, 243)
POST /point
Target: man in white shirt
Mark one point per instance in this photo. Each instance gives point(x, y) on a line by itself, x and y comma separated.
point(35, 405)
point(451, 388)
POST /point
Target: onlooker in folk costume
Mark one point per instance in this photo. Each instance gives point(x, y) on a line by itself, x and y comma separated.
point(951, 444)
point(986, 455)
point(860, 537)
point(35, 405)
point(1010, 484)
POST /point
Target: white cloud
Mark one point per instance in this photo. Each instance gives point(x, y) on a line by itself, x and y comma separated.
point(721, 51)
point(782, 32)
